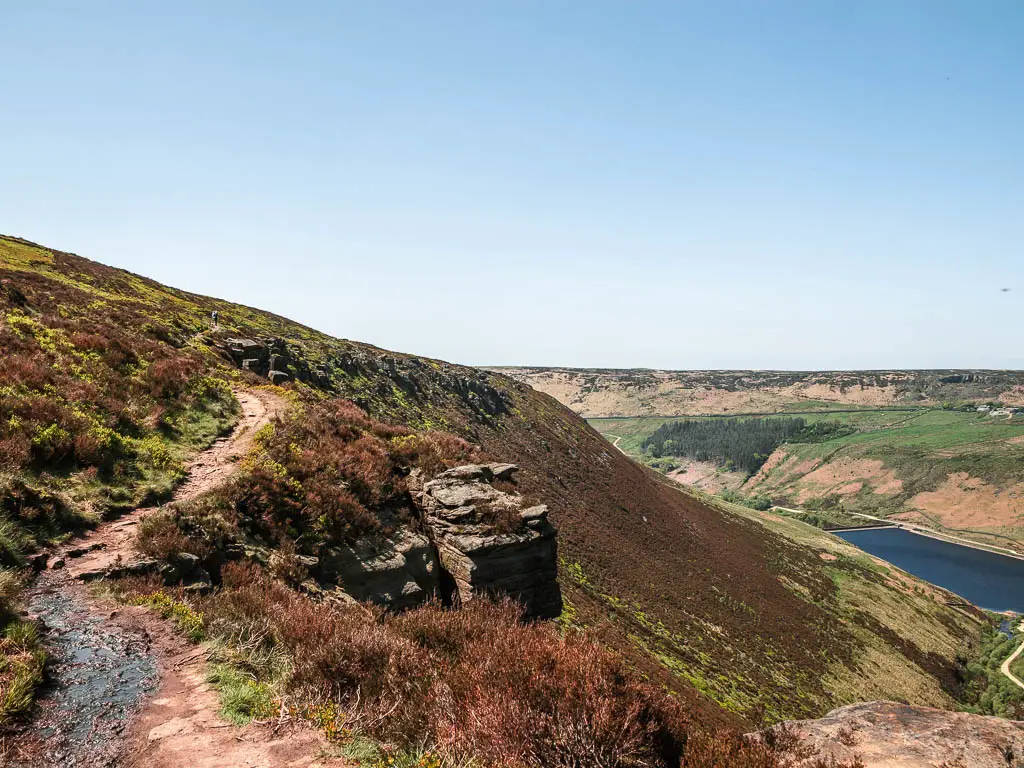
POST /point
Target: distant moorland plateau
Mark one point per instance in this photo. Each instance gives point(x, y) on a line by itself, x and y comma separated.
point(604, 392)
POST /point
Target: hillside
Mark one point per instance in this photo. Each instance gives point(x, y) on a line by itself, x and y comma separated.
point(938, 448)
point(596, 392)
point(958, 470)
point(112, 383)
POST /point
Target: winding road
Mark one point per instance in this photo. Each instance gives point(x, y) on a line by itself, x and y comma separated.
point(1005, 668)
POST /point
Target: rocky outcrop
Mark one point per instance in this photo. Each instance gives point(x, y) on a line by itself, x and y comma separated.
point(472, 540)
point(398, 573)
point(884, 734)
point(478, 541)
point(419, 381)
point(489, 543)
point(267, 357)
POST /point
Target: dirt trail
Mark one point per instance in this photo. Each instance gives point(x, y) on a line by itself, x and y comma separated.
point(126, 689)
point(213, 466)
point(1005, 667)
point(615, 442)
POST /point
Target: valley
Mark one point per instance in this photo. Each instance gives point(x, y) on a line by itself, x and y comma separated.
point(959, 471)
point(954, 468)
point(338, 577)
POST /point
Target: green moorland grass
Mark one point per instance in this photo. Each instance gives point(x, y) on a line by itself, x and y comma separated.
point(902, 630)
point(22, 657)
point(919, 625)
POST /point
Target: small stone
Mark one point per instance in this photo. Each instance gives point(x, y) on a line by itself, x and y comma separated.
point(199, 581)
point(81, 551)
point(184, 560)
point(57, 564)
point(504, 471)
point(169, 574)
point(171, 728)
point(469, 472)
point(139, 568)
point(539, 512)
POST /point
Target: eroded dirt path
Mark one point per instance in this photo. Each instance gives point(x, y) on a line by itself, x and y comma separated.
point(126, 689)
point(89, 557)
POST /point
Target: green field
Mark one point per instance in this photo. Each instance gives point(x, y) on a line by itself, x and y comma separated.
point(894, 455)
point(634, 430)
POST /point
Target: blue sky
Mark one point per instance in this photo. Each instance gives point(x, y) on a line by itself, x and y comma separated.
point(794, 185)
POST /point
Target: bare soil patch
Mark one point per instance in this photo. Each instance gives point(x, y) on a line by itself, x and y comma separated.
point(114, 542)
point(963, 501)
point(845, 477)
point(180, 725)
point(707, 476)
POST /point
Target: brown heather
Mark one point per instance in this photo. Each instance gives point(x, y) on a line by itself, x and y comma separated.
point(472, 684)
point(329, 473)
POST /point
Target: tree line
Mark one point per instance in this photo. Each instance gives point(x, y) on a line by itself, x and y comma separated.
point(738, 444)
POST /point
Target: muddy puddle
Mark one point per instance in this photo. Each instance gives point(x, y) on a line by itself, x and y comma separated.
point(97, 675)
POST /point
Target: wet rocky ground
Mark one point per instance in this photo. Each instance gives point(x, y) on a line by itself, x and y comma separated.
point(97, 675)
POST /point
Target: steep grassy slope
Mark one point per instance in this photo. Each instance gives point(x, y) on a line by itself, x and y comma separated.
point(741, 621)
point(641, 392)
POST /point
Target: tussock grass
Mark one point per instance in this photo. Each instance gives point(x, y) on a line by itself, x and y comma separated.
point(22, 663)
point(243, 699)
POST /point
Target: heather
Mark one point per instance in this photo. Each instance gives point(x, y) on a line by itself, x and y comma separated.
point(100, 407)
point(96, 417)
point(471, 686)
point(22, 658)
point(330, 473)
point(324, 474)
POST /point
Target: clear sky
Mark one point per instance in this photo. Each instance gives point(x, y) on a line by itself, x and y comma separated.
point(657, 184)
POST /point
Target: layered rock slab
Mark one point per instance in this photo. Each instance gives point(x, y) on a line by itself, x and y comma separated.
point(489, 542)
point(398, 573)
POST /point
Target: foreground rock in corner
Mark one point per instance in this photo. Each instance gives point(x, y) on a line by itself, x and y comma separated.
point(885, 734)
point(487, 543)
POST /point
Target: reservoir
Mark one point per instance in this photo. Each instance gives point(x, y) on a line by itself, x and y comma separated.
point(986, 579)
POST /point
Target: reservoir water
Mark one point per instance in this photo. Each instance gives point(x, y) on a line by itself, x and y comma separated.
point(986, 579)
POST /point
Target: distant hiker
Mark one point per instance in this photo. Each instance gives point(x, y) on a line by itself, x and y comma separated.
point(215, 316)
